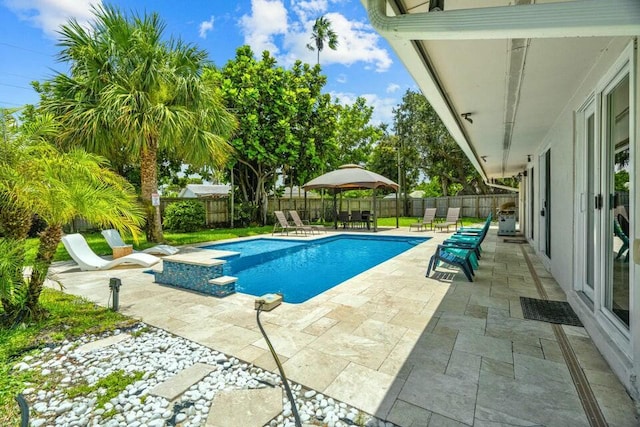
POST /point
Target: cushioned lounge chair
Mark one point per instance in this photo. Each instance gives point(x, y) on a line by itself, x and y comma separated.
point(283, 226)
point(116, 243)
point(86, 259)
point(306, 226)
point(453, 217)
point(426, 221)
point(448, 256)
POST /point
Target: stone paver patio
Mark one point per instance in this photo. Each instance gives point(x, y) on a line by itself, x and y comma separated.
point(412, 350)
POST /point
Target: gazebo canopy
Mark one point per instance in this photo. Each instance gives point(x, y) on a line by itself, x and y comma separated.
point(350, 177)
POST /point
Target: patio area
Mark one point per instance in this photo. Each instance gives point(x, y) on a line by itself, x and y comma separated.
point(412, 350)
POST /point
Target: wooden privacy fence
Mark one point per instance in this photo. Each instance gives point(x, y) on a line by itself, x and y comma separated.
point(218, 211)
point(314, 207)
point(470, 206)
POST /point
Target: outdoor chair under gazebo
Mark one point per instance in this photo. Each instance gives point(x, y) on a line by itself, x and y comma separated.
point(351, 177)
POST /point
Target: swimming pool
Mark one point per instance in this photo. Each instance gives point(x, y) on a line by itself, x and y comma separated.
point(300, 270)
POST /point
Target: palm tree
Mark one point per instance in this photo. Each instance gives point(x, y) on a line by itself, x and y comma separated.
point(130, 92)
point(37, 178)
point(322, 32)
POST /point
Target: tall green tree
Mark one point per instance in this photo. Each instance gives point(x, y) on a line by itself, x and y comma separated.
point(355, 135)
point(132, 93)
point(37, 178)
point(417, 125)
point(322, 33)
point(284, 125)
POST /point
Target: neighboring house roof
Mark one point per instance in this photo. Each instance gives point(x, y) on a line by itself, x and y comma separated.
point(417, 194)
point(205, 190)
point(294, 192)
point(499, 74)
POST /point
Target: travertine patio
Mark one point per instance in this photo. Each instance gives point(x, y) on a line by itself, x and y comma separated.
point(412, 350)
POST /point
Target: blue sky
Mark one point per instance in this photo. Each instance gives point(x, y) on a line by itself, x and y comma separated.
point(363, 65)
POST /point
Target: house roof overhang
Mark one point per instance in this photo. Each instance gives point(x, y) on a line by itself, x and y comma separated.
point(508, 65)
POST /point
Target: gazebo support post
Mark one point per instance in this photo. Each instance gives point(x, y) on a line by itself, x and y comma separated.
point(375, 213)
point(335, 208)
point(397, 211)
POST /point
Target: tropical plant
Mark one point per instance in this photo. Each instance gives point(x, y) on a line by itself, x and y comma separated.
point(130, 93)
point(322, 32)
point(37, 178)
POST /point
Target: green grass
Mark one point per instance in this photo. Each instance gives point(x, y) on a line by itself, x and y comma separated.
point(69, 318)
point(113, 384)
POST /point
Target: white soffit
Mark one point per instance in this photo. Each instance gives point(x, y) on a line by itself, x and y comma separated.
point(474, 72)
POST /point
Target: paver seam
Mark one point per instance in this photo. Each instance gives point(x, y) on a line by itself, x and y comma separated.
point(587, 398)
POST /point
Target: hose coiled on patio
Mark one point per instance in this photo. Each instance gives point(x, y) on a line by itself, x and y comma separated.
point(294, 408)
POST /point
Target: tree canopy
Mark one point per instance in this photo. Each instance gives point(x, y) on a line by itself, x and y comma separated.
point(286, 123)
point(131, 93)
point(417, 125)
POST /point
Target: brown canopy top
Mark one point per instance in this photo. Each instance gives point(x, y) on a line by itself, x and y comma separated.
point(350, 177)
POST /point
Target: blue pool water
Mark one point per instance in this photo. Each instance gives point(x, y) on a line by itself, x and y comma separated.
point(300, 270)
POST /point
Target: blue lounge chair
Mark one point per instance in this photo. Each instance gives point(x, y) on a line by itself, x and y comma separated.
point(448, 256)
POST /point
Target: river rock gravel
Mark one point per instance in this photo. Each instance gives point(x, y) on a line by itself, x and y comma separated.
point(156, 355)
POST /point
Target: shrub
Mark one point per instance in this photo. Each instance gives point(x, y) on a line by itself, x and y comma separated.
point(184, 216)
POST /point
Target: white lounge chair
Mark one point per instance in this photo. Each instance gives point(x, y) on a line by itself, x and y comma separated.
point(115, 242)
point(82, 254)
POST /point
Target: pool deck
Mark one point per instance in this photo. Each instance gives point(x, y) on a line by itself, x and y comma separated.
point(412, 350)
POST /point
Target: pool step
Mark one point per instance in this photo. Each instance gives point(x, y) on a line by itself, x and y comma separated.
point(223, 280)
point(223, 286)
point(204, 275)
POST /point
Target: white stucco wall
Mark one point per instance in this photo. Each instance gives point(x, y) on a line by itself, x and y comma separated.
point(560, 139)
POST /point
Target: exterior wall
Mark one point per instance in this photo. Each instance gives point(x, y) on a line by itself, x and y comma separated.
point(561, 139)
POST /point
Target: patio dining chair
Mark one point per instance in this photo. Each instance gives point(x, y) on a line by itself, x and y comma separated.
point(356, 219)
point(86, 259)
point(116, 244)
point(427, 220)
point(343, 218)
point(453, 217)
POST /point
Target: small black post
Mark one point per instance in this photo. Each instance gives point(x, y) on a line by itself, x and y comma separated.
point(114, 285)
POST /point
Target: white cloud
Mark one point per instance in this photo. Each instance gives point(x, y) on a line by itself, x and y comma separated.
point(50, 14)
point(342, 78)
point(205, 27)
point(393, 87)
point(268, 19)
point(382, 107)
point(357, 41)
